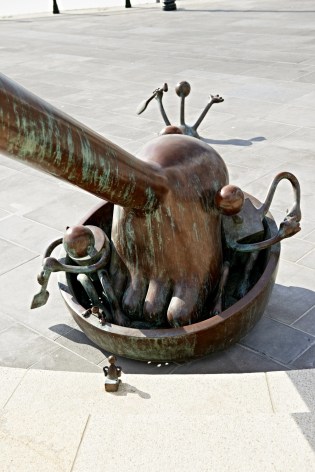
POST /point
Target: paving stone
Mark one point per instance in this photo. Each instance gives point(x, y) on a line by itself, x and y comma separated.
point(13, 256)
point(295, 249)
point(77, 342)
point(292, 391)
point(143, 394)
point(51, 320)
point(27, 233)
point(307, 322)
point(6, 322)
point(65, 360)
point(288, 303)
point(65, 210)
point(233, 360)
point(306, 360)
point(311, 237)
point(39, 442)
point(4, 214)
point(21, 347)
point(285, 447)
point(10, 379)
point(277, 341)
point(308, 260)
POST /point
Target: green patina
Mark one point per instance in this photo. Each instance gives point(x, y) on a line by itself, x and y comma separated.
point(195, 230)
point(151, 199)
point(149, 218)
point(17, 116)
point(129, 238)
point(105, 178)
point(71, 149)
point(58, 152)
point(87, 160)
point(169, 214)
point(130, 188)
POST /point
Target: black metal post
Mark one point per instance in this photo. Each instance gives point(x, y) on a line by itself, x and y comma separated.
point(169, 5)
point(55, 8)
point(128, 4)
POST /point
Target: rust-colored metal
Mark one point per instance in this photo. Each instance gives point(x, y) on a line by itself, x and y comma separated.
point(182, 89)
point(178, 230)
point(112, 374)
point(166, 234)
point(176, 344)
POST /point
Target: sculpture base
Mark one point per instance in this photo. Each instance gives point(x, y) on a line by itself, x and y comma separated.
point(177, 344)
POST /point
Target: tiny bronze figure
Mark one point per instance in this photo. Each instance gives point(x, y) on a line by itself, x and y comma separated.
point(112, 374)
point(182, 89)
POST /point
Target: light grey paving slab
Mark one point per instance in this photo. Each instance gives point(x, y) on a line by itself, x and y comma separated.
point(292, 391)
point(143, 394)
point(277, 341)
point(6, 172)
point(13, 256)
point(307, 101)
point(27, 233)
point(10, 379)
point(280, 71)
point(4, 214)
point(51, 320)
point(23, 193)
point(21, 347)
point(200, 444)
point(308, 78)
point(6, 322)
point(295, 249)
point(46, 442)
point(65, 210)
point(293, 115)
point(308, 260)
point(310, 237)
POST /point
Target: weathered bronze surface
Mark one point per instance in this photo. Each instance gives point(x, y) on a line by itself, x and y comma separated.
point(218, 332)
point(182, 89)
point(179, 232)
point(112, 374)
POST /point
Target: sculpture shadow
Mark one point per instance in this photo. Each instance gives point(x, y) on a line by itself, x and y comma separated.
point(235, 141)
point(305, 420)
point(282, 340)
point(76, 337)
point(127, 389)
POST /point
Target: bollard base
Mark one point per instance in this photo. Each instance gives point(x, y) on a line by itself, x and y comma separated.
point(169, 5)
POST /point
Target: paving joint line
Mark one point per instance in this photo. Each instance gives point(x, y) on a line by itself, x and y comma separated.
point(82, 436)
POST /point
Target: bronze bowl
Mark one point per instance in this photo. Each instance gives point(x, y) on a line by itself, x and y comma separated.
point(175, 344)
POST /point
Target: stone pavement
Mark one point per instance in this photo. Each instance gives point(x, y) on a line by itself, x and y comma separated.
point(54, 421)
point(98, 66)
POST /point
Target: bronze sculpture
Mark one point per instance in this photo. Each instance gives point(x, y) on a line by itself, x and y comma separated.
point(169, 264)
point(112, 375)
point(182, 89)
